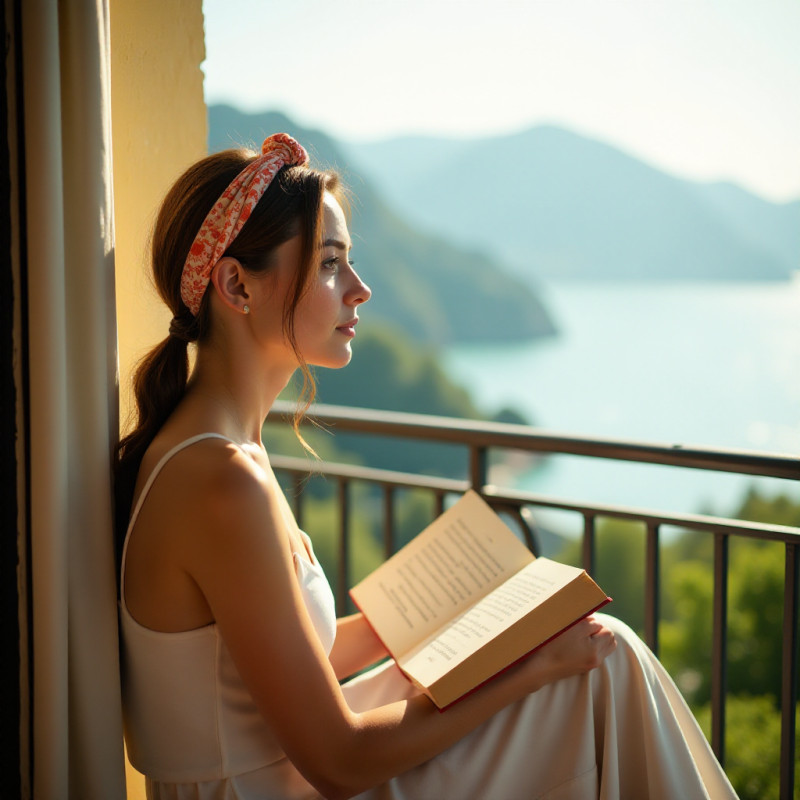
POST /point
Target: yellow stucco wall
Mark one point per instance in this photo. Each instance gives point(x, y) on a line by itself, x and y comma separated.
point(159, 127)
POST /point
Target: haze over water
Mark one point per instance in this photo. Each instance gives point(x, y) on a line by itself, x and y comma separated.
point(678, 363)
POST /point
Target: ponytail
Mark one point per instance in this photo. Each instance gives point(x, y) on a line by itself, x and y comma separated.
point(158, 386)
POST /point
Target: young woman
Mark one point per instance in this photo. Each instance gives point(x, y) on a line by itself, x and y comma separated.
point(232, 654)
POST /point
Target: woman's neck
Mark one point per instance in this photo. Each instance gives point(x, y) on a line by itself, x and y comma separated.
point(233, 396)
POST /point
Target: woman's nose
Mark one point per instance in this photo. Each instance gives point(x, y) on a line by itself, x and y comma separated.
point(360, 292)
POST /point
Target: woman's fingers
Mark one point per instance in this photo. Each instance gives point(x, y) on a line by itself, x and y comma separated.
point(581, 648)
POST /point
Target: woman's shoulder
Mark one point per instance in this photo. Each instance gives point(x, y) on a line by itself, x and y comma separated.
point(203, 470)
point(206, 517)
point(211, 499)
point(197, 454)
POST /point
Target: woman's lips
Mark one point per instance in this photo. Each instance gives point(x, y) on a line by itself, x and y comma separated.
point(348, 328)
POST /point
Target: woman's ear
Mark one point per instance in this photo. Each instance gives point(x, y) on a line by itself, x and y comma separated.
point(230, 281)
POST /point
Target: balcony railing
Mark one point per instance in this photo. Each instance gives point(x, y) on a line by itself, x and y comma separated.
point(479, 438)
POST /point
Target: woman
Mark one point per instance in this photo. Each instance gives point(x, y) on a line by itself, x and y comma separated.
point(232, 653)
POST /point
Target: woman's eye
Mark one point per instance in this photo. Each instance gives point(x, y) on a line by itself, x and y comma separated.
point(335, 262)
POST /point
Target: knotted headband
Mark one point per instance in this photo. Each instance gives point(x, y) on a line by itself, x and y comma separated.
point(229, 214)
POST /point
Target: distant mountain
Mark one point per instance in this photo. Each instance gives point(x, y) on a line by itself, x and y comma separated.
point(433, 290)
point(774, 227)
point(556, 205)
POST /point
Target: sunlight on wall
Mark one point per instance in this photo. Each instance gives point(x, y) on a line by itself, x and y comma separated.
point(158, 129)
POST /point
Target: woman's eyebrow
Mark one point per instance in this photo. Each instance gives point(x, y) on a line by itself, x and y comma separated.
point(337, 243)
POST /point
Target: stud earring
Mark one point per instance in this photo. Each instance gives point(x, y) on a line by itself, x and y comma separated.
point(245, 309)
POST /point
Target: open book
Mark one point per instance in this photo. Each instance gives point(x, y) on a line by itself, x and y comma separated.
point(465, 599)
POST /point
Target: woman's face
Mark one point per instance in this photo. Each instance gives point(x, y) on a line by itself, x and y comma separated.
point(326, 316)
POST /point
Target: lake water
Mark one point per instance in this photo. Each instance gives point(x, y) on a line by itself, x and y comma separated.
point(694, 364)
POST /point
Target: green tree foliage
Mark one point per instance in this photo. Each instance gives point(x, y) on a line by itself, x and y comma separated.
point(414, 511)
point(620, 567)
point(755, 607)
point(755, 619)
point(321, 521)
point(755, 639)
point(752, 746)
point(755, 598)
point(778, 510)
point(686, 637)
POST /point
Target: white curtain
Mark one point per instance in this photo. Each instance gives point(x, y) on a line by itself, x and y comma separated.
point(68, 232)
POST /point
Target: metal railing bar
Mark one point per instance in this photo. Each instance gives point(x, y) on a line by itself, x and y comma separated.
point(521, 437)
point(535, 540)
point(719, 647)
point(439, 503)
point(343, 572)
point(757, 530)
point(789, 673)
point(388, 521)
point(588, 548)
point(652, 585)
point(523, 521)
point(478, 460)
point(354, 472)
point(444, 486)
point(297, 499)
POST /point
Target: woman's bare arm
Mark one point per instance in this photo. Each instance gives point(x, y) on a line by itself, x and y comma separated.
point(240, 556)
point(356, 646)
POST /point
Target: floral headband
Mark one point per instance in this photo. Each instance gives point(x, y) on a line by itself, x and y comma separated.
point(229, 214)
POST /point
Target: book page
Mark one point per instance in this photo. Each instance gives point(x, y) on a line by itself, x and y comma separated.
point(496, 612)
point(455, 561)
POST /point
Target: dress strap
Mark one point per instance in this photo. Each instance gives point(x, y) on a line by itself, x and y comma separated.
point(147, 486)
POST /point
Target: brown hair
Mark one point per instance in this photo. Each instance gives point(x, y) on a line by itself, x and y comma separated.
point(291, 206)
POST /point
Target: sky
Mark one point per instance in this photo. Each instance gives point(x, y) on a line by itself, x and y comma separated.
point(704, 89)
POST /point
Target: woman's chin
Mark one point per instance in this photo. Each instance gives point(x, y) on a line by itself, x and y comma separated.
point(336, 361)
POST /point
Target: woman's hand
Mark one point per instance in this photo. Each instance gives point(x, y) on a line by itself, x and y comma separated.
point(580, 649)
point(356, 646)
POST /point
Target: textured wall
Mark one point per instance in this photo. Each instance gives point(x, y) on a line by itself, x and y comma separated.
point(159, 128)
